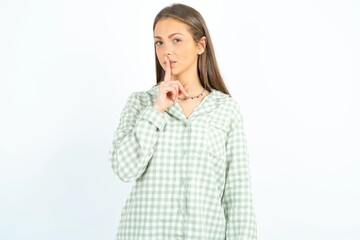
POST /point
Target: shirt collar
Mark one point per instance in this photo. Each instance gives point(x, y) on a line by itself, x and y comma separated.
point(208, 104)
point(214, 95)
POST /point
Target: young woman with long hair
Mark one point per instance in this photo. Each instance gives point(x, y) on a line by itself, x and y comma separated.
point(183, 143)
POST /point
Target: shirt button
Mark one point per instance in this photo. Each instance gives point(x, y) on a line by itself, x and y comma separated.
point(184, 181)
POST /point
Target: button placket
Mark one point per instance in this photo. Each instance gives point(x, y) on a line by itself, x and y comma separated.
point(184, 182)
point(186, 177)
point(183, 208)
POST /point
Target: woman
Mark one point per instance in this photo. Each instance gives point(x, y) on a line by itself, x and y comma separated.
point(183, 143)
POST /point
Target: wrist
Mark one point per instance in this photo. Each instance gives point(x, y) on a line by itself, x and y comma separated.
point(157, 108)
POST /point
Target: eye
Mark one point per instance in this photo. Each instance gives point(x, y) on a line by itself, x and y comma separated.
point(158, 43)
point(176, 40)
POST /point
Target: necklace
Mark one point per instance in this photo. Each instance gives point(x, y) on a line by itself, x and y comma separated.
point(197, 96)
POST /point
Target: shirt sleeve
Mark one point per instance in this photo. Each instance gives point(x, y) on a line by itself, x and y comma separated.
point(237, 197)
point(134, 139)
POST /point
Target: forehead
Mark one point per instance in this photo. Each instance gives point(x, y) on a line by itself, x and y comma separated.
point(167, 26)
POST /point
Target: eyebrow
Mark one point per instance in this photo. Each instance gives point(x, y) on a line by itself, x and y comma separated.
point(169, 35)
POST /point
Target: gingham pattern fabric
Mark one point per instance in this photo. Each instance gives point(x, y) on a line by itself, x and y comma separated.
point(192, 174)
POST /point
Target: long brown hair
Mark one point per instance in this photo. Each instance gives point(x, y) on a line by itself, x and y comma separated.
point(207, 68)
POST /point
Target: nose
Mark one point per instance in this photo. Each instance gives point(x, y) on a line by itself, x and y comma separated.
point(168, 50)
point(167, 53)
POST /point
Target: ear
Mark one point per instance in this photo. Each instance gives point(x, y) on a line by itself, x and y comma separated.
point(202, 44)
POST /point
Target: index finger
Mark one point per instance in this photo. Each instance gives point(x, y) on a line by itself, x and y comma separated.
point(182, 89)
point(167, 76)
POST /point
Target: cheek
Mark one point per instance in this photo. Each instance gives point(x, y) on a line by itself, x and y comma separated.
point(158, 55)
point(157, 52)
point(189, 52)
point(160, 59)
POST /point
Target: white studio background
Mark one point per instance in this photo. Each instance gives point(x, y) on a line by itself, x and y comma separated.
point(67, 67)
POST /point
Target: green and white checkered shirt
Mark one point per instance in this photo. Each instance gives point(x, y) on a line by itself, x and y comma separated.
point(192, 174)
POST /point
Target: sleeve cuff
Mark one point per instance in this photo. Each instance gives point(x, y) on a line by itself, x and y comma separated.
point(154, 116)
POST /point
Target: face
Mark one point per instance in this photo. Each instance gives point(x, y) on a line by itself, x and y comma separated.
point(173, 39)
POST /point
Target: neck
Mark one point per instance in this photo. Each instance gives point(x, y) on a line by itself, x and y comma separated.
point(191, 83)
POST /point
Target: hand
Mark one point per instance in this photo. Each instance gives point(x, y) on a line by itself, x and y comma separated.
point(169, 90)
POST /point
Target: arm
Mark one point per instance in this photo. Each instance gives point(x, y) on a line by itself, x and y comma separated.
point(237, 198)
point(134, 139)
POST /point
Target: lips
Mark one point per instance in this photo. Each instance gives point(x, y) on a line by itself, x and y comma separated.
point(171, 62)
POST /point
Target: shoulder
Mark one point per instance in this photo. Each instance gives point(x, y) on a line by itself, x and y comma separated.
point(227, 105)
point(143, 98)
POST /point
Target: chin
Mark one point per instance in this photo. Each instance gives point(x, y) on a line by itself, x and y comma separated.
point(176, 72)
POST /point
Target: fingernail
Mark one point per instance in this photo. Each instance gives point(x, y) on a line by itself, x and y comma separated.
point(166, 58)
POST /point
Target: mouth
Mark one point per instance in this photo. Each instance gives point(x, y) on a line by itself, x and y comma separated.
point(171, 62)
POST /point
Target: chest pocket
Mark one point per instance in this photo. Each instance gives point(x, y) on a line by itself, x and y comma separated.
point(217, 139)
point(216, 150)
